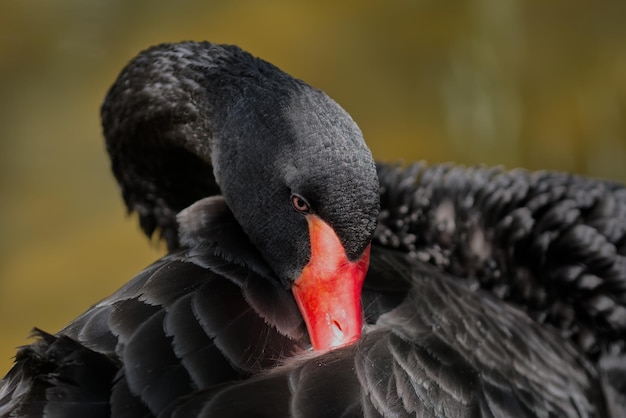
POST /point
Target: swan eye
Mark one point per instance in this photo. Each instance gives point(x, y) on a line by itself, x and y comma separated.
point(300, 204)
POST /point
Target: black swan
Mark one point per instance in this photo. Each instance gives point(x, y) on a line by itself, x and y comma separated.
point(488, 293)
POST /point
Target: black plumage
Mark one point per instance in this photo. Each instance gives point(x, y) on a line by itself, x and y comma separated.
point(552, 243)
point(489, 293)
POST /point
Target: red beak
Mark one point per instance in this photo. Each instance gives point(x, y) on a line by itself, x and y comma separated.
point(328, 292)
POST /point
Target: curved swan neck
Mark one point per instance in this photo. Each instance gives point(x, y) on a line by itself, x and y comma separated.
point(186, 121)
point(158, 124)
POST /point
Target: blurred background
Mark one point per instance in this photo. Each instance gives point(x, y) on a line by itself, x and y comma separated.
point(518, 83)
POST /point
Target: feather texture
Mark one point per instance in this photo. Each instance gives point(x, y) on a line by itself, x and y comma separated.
point(490, 293)
point(188, 342)
point(552, 243)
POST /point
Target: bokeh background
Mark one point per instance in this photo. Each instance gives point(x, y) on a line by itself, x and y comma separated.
point(519, 83)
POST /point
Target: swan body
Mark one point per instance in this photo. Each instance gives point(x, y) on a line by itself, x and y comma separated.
point(488, 293)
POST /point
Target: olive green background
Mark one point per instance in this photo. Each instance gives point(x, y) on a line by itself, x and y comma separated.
point(537, 84)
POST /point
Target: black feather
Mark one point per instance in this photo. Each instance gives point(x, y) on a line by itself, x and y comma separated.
point(490, 293)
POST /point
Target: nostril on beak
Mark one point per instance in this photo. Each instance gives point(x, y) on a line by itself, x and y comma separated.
point(337, 331)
